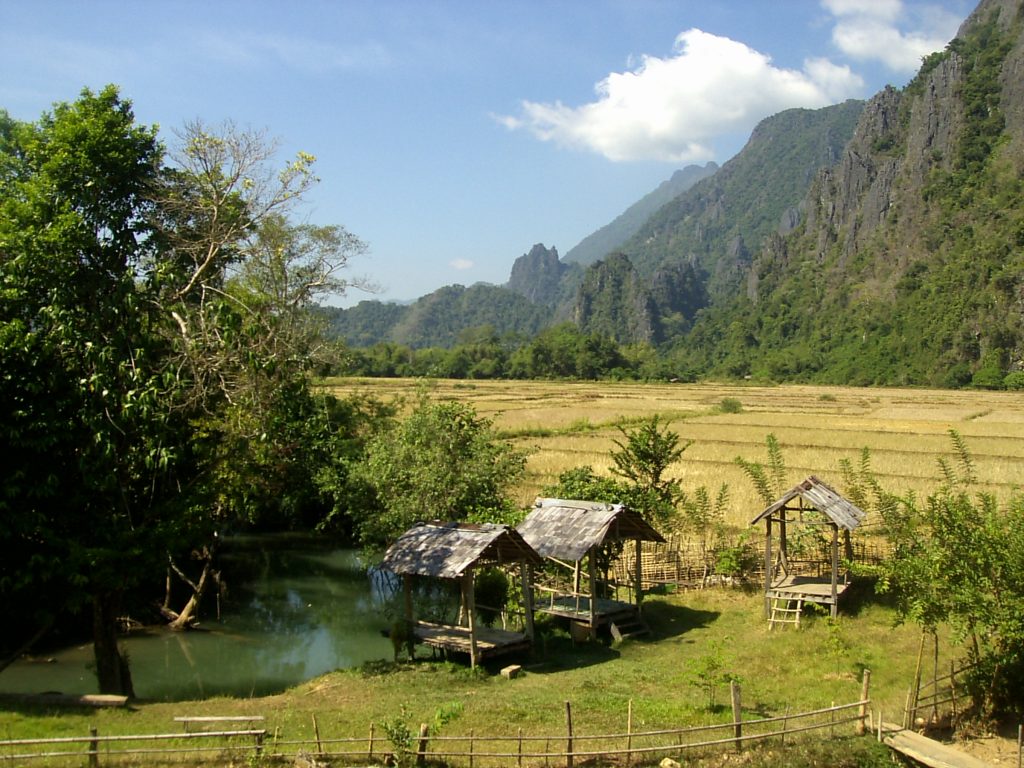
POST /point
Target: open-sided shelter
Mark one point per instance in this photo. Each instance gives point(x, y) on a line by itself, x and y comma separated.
point(782, 589)
point(456, 551)
point(568, 532)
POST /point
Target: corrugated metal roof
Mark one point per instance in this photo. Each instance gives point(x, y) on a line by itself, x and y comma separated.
point(822, 497)
point(448, 550)
point(567, 529)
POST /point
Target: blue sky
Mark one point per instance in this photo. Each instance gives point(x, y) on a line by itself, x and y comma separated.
point(452, 136)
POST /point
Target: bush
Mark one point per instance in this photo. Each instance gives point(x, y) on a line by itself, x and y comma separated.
point(730, 405)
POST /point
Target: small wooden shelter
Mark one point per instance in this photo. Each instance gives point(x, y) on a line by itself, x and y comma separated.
point(566, 532)
point(785, 591)
point(455, 551)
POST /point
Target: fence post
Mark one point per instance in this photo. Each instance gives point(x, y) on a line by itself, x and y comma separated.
point(259, 743)
point(568, 728)
point(421, 747)
point(470, 748)
point(1020, 744)
point(737, 716)
point(316, 733)
point(94, 749)
point(519, 757)
point(865, 690)
point(369, 751)
point(629, 734)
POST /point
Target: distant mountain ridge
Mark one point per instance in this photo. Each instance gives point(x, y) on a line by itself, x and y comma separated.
point(612, 236)
point(877, 243)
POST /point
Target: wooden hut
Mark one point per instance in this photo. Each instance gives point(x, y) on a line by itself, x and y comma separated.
point(567, 532)
point(814, 503)
point(455, 551)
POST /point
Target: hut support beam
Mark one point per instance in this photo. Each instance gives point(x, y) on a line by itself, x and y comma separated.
point(526, 576)
point(410, 635)
point(835, 570)
point(638, 576)
point(767, 566)
point(592, 573)
point(469, 600)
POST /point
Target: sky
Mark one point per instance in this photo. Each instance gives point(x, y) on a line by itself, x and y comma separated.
point(452, 136)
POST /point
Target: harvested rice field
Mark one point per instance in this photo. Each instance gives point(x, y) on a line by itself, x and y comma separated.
point(570, 424)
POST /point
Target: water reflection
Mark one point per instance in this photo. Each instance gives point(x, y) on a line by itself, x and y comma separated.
point(289, 615)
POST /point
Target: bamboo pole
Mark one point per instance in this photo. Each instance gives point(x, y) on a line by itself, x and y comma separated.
point(629, 734)
point(568, 728)
point(316, 733)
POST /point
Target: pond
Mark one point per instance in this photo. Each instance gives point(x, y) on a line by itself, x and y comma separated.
point(297, 613)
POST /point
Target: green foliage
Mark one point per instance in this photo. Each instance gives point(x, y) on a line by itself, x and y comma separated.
point(959, 558)
point(491, 594)
point(642, 458)
point(710, 671)
point(441, 462)
point(769, 481)
point(730, 405)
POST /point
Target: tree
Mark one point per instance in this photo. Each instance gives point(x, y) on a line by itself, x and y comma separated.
point(441, 462)
point(958, 558)
point(90, 452)
point(643, 457)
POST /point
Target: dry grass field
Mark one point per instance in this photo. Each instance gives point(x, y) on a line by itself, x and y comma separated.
point(569, 424)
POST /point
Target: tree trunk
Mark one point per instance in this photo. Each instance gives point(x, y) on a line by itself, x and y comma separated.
point(112, 670)
point(188, 614)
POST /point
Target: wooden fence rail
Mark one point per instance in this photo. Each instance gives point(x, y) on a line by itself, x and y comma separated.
point(635, 747)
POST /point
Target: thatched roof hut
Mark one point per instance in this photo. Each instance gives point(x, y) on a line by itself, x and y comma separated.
point(567, 531)
point(811, 495)
point(455, 551)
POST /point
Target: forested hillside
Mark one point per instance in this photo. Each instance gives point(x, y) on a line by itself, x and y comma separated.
point(909, 266)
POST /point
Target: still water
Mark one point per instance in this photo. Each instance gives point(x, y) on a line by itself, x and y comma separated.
point(294, 613)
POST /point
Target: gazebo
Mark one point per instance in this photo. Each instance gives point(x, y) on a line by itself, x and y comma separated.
point(800, 506)
point(566, 532)
point(455, 551)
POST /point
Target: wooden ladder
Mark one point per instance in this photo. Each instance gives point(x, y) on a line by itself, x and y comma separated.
point(625, 628)
point(785, 610)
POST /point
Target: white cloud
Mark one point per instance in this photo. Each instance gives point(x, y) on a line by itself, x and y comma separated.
point(671, 109)
point(461, 264)
point(871, 30)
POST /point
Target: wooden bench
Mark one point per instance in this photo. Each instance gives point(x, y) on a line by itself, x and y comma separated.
point(206, 722)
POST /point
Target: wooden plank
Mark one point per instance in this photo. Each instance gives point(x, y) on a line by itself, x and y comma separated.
point(68, 699)
point(927, 751)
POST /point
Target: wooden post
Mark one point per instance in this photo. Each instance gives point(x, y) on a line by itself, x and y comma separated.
point(865, 689)
point(526, 576)
point(1020, 744)
point(832, 720)
point(259, 743)
point(767, 566)
point(316, 733)
point(519, 752)
point(592, 575)
point(411, 639)
point(94, 749)
point(835, 571)
point(470, 602)
point(471, 742)
point(785, 725)
point(638, 576)
point(952, 689)
point(421, 746)
point(737, 714)
point(629, 734)
point(783, 541)
point(568, 728)
point(917, 682)
point(935, 680)
point(369, 750)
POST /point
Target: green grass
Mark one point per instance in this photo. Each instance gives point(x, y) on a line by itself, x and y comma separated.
point(790, 670)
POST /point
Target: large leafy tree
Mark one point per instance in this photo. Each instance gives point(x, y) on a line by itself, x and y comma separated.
point(90, 449)
point(441, 462)
point(155, 347)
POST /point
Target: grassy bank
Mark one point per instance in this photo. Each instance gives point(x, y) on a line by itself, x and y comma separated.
point(780, 671)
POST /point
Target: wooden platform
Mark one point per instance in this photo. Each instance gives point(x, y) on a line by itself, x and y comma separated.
point(578, 609)
point(489, 641)
point(927, 751)
point(807, 588)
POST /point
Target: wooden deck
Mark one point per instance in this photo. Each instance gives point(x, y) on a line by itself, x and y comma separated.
point(452, 639)
point(578, 609)
point(927, 751)
point(807, 588)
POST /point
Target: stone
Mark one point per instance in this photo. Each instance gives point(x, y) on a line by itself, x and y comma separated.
point(511, 672)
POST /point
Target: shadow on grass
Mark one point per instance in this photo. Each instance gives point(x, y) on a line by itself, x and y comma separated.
point(670, 620)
